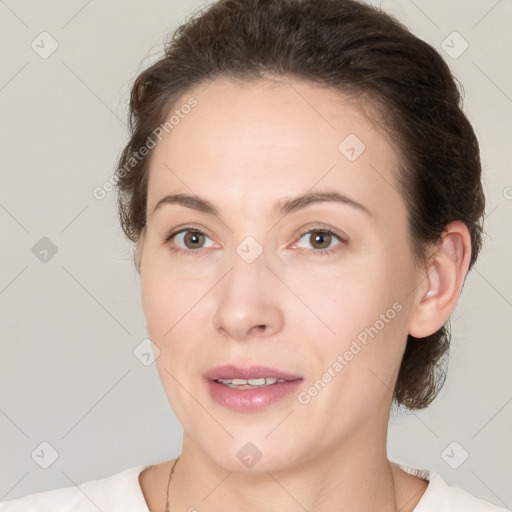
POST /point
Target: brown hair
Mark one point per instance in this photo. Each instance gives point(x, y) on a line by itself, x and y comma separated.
point(358, 50)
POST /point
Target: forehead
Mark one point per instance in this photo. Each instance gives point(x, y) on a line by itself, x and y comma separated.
point(247, 145)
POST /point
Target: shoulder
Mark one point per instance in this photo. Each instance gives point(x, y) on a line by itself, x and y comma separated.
point(441, 497)
point(119, 492)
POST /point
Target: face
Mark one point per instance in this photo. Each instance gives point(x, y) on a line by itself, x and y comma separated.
point(321, 289)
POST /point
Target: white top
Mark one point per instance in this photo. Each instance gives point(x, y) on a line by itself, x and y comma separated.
point(122, 493)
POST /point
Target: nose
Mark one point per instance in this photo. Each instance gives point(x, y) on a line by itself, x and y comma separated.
point(247, 301)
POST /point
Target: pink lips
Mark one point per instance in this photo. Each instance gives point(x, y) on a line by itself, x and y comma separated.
point(250, 372)
point(249, 400)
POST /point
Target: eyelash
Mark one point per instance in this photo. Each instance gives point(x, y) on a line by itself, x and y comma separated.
point(316, 252)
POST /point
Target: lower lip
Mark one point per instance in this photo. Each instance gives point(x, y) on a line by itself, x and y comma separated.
point(251, 400)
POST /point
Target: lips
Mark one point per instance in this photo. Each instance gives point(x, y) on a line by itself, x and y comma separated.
point(248, 372)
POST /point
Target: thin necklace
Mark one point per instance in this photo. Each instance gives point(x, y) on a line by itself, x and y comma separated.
point(169, 485)
point(172, 471)
point(395, 506)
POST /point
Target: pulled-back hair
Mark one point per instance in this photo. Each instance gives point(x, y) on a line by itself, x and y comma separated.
point(359, 51)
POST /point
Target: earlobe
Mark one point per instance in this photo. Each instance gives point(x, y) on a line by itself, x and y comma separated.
point(442, 281)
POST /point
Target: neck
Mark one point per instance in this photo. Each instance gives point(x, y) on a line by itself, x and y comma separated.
point(346, 478)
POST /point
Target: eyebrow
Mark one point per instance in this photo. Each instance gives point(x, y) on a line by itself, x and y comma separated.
point(282, 207)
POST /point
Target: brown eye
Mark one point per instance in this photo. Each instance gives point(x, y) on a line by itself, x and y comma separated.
point(321, 240)
point(187, 240)
point(194, 238)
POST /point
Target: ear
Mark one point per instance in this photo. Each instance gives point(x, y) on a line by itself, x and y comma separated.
point(441, 281)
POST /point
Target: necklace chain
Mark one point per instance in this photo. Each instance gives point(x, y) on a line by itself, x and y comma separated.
point(172, 471)
point(169, 485)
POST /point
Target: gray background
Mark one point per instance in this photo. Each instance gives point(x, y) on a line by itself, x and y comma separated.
point(70, 325)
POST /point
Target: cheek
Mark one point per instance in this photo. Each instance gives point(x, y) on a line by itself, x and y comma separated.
point(348, 295)
point(160, 303)
point(364, 354)
point(361, 308)
point(151, 301)
point(173, 306)
point(160, 291)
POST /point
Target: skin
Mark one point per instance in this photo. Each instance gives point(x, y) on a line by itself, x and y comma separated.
point(244, 148)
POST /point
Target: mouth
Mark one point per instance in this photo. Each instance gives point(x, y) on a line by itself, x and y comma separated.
point(250, 383)
point(249, 389)
point(249, 375)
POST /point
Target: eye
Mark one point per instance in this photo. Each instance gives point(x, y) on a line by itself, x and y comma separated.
point(191, 238)
point(188, 240)
point(322, 239)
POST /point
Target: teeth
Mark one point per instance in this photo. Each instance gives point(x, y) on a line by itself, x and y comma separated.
point(233, 383)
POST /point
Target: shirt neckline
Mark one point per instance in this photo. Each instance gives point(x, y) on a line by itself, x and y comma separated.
point(137, 470)
point(424, 474)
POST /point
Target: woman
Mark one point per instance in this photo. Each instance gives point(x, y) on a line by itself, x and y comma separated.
point(304, 193)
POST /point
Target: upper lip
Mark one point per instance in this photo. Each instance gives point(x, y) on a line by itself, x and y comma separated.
point(230, 371)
